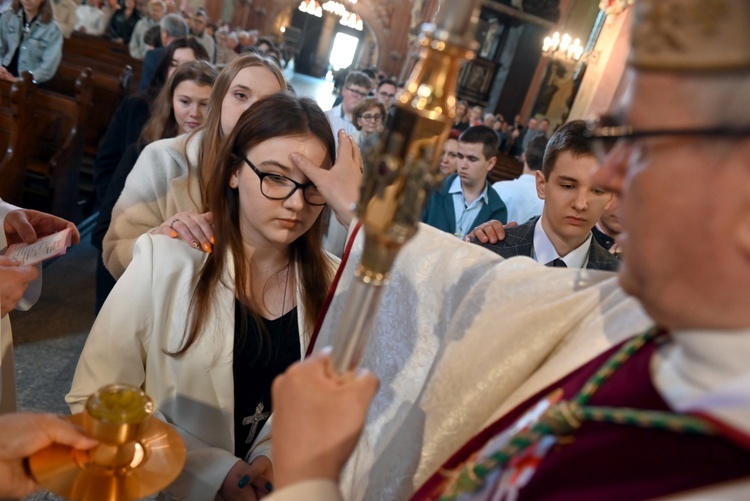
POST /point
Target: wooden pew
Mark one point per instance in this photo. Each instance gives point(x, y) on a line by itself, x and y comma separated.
point(505, 169)
point(108, 92)
point(93, 50)
point(52, 140)
point(15, 122)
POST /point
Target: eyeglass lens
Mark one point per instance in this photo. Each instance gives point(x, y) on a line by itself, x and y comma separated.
point(357, 92)
point(280, 188)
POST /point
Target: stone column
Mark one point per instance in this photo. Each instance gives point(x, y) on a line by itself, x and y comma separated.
point(606, 67)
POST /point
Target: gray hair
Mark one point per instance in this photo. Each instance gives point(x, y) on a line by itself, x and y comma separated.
point(174, 26)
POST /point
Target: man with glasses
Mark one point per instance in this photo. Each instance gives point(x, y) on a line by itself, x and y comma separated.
point(525, 398)
point(357, 86)
point(386, 92)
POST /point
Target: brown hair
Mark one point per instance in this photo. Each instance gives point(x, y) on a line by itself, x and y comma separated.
point(45, 11)
point(364, 105)
point(211, 128)
point(162, 123)
point(162, 69)
point(481, 134)
point(570, 137)
point(279, 115)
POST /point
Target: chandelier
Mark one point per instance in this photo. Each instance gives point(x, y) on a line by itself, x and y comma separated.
point(311, 7)
point(562, 48)
point(348, 19)
point(352, 20)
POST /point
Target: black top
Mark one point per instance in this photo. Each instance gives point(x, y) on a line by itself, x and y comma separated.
point(121, 26)
point(604, 240)
point(123, 131)
point(258, 358)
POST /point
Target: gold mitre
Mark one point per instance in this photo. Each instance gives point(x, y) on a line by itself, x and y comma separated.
point(692, 35)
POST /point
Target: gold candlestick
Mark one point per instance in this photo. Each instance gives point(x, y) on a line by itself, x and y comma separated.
point(403, 169)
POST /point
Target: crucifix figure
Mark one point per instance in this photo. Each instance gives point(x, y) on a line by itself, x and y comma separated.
point(254, 420)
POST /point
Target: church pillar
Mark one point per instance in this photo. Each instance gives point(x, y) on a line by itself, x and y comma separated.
point(324, 45)
point(606, 67)
point(214, 10)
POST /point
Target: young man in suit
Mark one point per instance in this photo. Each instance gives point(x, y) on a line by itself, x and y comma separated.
point(465, 199)
point(572, 206)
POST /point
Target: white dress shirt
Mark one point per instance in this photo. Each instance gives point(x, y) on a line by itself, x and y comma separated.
point(520, 198)
point(466, 213)
point(544, 251)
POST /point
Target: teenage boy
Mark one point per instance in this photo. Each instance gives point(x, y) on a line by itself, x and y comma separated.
point(572, 206)
point(465, 199)
point(520, 194)
point(356, 87)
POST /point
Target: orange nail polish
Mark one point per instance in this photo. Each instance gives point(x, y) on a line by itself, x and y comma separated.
point(207, 247)
point(213, 240)
point(173, 234)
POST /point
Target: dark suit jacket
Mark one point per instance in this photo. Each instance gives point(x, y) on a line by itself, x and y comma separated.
point(519, 241)
point(122, 131)
point(441, 214)
point(150, 62)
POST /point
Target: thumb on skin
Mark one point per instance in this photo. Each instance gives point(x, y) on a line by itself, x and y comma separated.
point(309, 169)
point(23, 227)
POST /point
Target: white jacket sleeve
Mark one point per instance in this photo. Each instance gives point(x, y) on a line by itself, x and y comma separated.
point(140, 208)
point(116, 351)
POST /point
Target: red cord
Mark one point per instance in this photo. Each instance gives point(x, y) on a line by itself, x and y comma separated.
point(332, 290)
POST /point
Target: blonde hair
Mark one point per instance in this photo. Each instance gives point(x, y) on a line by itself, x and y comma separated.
point(212, 133)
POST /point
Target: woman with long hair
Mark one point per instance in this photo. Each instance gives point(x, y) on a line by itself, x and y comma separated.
point(169, 179)
point(134, 111)
point(180, 108)
point(30, 40)
point(204, 334)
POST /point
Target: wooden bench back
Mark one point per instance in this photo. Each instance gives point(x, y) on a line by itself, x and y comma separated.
point(108, 91)
point(15, 122)
point(505, 169)
point(52, 142)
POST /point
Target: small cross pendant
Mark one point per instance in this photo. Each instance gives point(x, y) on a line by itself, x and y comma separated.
point(254, 420)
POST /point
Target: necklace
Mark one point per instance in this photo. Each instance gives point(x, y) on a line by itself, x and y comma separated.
point(566, 416)
point(286, 285)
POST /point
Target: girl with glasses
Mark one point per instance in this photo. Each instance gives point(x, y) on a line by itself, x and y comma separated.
point(206, 333)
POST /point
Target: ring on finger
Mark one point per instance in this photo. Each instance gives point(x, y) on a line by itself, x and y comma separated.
point(171, 225)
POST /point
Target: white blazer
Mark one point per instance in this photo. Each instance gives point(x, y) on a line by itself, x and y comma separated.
point(144, 316)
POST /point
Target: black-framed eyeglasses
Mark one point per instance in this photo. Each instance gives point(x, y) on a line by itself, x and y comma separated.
point(278, 187)
point(370, 116)
point(356, 92)
point(605, 133)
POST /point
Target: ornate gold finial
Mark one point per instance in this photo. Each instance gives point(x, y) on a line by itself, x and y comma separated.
point(691, 35)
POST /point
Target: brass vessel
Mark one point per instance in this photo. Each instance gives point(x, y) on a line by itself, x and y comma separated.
point(138, 454)
point(403, 169)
